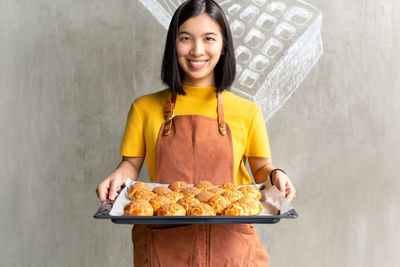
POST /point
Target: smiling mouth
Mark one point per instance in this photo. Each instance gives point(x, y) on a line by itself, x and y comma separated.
point(196, 64)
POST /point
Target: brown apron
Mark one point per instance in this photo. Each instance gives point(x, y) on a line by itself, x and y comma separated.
point(192, 148)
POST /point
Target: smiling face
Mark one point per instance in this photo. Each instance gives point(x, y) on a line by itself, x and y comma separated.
point(199, 45)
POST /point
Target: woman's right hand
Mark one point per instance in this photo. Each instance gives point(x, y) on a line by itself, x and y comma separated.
point(108, 189)
point(128, 168)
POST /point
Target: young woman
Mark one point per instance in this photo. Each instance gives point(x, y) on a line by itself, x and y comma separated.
point(196, 129)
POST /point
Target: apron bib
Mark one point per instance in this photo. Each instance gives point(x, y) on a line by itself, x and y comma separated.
point(192, 148)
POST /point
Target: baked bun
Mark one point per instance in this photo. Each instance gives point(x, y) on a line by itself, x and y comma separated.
point(216, 190)
point(204, 185)
point(254, 206)
point(232, 196)
point(174, 196)
point(201, 209)
point(190, 191)
point(251, 191)
point(143, 195)
point(161, 190)
point(204, 196)
point(236, 209)
point(177, 186)
point(228, 186)
point(171, 209)
point(188, 202)
point(136, 187)
point(218, 203)
point(158, 201)
point(138, 208)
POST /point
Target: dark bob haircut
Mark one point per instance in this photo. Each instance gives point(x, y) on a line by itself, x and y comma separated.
point(224, 71)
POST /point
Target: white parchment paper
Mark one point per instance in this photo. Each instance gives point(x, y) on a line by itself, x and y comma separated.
point(272, 199)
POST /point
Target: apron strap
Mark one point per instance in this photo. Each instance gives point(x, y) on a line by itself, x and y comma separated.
point(169, 114)
point(221, 119)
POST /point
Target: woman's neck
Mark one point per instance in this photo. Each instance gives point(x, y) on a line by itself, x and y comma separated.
point(199, 92)
point(199, 84)
point(203, 82)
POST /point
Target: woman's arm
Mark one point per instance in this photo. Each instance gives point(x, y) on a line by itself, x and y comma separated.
point(128, 168)
point(261, 169)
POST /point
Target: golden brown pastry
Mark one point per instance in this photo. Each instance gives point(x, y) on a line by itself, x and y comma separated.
point(216, 190)
point(201, 209)
point(218, 203)
point(158, 201)
point(175, 196)
point(138, 186)
point(236, 209)
point(161, 190)
point(232, 196)
point(171, 209)
point(143, 195)
point(204, 185)
point(177, 186)
point(254, 206)
point(251, 191)
point(204, 196)
point(188, 202)
point(190, 191)
point(228, 186)
point(138, 208)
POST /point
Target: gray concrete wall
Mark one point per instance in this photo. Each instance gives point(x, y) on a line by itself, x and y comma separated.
point(69, 71)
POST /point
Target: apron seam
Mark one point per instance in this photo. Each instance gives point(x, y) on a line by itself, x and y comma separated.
point(208, 245)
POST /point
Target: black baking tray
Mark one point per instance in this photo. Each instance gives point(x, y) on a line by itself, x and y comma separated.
point(104, 210)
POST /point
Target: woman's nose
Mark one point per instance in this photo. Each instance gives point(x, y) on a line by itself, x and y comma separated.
point(197, 49)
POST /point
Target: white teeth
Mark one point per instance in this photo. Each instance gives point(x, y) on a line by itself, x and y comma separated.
point(197, 63)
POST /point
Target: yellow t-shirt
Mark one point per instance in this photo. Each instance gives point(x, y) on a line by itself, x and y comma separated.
point(249, 135)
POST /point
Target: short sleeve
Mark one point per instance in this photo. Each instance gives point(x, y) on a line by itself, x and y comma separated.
point(133, 143)
point(257, 141)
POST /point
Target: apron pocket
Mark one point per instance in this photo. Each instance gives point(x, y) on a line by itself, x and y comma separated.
point(173, 246)
point(140, 238)
point(232, 245)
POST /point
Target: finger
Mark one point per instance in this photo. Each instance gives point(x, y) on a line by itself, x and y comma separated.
point(291, 193)
point(282, 186)
point(102, 191)
point(115, 186)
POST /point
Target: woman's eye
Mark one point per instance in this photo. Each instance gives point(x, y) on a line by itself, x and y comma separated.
point(185, 38)
point(209, 39)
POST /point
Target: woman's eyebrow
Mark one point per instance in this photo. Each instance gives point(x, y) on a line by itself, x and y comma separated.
point(188, 33)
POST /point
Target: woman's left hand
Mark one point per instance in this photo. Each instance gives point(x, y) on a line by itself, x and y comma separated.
point(283, 183)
